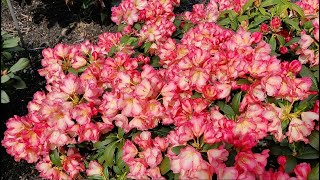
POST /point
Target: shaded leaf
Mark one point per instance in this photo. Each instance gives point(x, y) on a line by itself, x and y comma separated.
point(294, 24)
point(292, 41)
point(5, 78)
point(109, 153)
point(305, 72)
point(155, 61)
point(290, 164)
point(226, 109)
point(177, 149)
point(314, 139)
point(314, 174)
point(308, 153)
point(236, 102)
point(272, 43)
point(19, 83)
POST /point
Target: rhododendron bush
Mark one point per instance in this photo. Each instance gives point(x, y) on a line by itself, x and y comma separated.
point(228, 90)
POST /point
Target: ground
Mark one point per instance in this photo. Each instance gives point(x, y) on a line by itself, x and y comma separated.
point(44, 23)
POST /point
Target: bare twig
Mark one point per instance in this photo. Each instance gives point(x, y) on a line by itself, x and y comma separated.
point(15, 21)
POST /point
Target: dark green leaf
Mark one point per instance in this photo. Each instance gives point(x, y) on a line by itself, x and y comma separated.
point(290, 164)
point(106, 171)
point(307, 25)
point(96, 177)
point(120, 133)
point(257, 21)
point(117, 170)
point(273, 43)
point(316, 74)
point(226, 109)
point(231, 158)
point(5, 78)
point(305, 72)
point(292, 41)
point(280, 150)
point(308, 153)
point(187, 26)
point(4, 97)
point(306, 104)
point(6, 55)
point(21, 64)
point(211, 146)
point(236, 102)
point(102, 144)
point(155, 61)
point(19, 83)
point(243, 81)
point(177, 149)
point(55, 157)
point(177, 23)
point(293, 23)
point(165, 165)
point(314, 174)
point(284, 124)
point(281, 39)
point(162, 132)
point(146, 46)
point(314, 139)
point(109, 153)
point(196, 95)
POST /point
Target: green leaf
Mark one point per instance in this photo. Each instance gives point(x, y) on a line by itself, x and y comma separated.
point(284, 124)
point(196, 95)
point(273, 43)
point(263, 11)
point(280, 150)
point(243, 18)
point(305, 72)
point(269, 3)
point(112, 50)
point(281, 39)
point(120, 132)
point(243, 81)
point(4, 97)
point(291, 164)
point(119, 161)
point(120, 27)
point(137, 26)
point(10, 43)
point(231, 158)
point(109, 153)
point(19, 83)
point(162, 132)
point(73, 71)
point(236, 102)
point(187, 26)
point(316, 74)
point(55, 157)
point(5, 78)
point(102, 144)
point(282, 10)
point(146, 46)
point(292, 41)
point(155, 61)
point(226, 109)
point(308, 153)
point(307, 25)
point(211, 146)
point(165, 166)
point(177, 23)
point(177, 149)
point(257, 21)
point(96, 177)
point(246, 5)
point(297, 8)
point(314, 174)
point(6, 55)
point(292, 23)
point(306, 104)
point(224, 22)
point(21, 64)
point(124, 39)
point(314, 139)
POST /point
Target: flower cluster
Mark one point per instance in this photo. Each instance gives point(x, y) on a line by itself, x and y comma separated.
point(196, 107)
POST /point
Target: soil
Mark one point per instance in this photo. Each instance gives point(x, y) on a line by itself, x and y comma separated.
point(43, 23)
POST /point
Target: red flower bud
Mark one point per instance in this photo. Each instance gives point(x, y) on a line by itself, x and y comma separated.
point(264, 28)
point(94, 55)
point(295, 66)
point(283, 50)
point(275, 23)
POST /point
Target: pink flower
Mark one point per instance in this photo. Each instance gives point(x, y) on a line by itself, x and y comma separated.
point(302, 170)
point(153, 156)
point(138, 169)
point(94, 169)
point(227, 172)
point(129, 151)
point(89, 132)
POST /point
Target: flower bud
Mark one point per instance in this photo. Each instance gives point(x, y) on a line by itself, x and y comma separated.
point(283, 50)
point(264, 28)
point(275, 23)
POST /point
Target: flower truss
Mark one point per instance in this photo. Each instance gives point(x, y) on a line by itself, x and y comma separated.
point(228, 90)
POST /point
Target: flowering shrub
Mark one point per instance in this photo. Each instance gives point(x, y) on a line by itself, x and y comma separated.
point(180, 96)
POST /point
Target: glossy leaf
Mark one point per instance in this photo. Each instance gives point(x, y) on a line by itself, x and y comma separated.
point(226, 109)
point(292, 23)
point(236, 102)
point(102, 144)
point(314, 174)
point(109, 153)
point(308, 153)
point(177, 149)
point(5, 78)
